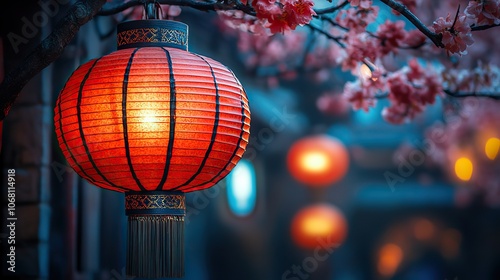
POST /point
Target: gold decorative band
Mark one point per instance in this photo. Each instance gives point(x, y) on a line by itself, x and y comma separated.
point(155, 203)
point(152, 35)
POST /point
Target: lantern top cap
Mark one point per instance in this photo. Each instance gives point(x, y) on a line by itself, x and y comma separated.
point(152, 33)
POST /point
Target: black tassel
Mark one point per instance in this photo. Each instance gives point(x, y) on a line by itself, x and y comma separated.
point(155, 239)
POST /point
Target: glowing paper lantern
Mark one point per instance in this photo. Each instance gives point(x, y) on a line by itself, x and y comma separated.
point(319, 225)
point(318, 161)
point(154, 121)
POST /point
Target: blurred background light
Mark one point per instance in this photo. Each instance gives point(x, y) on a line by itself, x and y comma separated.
point(318, 161)
point(423, 229)
point(319, 225)
point(492, 147)
point(242, 188)
point(464, 168)
point(389, 258)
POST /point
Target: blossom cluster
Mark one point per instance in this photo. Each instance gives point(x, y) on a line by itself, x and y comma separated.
point(483, 12)
point(484, 78)
point(409, 90)
point(355, 35)
point(284, 15)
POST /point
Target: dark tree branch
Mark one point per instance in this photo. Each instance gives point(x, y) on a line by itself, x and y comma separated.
point(473, 94)
point(113, 8)
point(403, 10)
point(483, 27)
point(47, 52)
point(328, 35)
point(331, 9)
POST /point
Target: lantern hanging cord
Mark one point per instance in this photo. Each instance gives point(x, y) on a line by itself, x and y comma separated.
point(152, 10)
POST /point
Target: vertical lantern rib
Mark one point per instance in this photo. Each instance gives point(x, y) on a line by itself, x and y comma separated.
point(66, 143)
point(171, 137)
point(124, 118)
point(243, 117)
point(214, 131)
point(80, 126)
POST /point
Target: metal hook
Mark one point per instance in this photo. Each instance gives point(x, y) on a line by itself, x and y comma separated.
point(151, 9)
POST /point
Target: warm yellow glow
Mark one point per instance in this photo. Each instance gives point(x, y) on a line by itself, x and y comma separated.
point(365, 72)
point(317, 225)
point(492, 147)
point(390, 256)
point(148, 116)
point(314, 161)
point(149, 120)
point(463, 168)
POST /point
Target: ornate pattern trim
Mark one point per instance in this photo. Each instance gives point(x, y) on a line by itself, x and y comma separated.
point(155, 203)
point(152, 35)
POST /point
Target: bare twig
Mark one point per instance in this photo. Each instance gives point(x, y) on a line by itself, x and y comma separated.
point(113, 8)
point(495, 96)
point(47, 52)
point(483, 27)
point(331, 9)
point(328, 35)
point(403, 10)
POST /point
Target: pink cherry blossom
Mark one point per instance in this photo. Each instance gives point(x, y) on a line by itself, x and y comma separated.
point(359, 96)
point(364, 4)
point(333, 104)
point(357, 19)
point(284, 15)
point(410, 89)
point(456, 33)
point(483, 12)
point(359, 46)
point(391, 35)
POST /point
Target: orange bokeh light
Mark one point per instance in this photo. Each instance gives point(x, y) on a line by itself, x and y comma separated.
point(318, 161)
point(423, 229)
point(389, 258)
point(319, 225)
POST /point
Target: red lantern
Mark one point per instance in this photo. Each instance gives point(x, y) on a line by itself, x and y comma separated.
point(319, 225)
point(318, 161)
point(154, 121)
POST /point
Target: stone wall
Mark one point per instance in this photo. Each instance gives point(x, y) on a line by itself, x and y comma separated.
point(26, 147)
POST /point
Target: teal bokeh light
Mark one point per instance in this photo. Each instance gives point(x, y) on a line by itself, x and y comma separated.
point(242, 189)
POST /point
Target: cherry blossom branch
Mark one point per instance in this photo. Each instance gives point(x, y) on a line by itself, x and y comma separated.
point(326, 34)
point(113, 8)
point(483, 27)
point(331, 9)
point(46, 52)
point(403, 10)
point(472, 94)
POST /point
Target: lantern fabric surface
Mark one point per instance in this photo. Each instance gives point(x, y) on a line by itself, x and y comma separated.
point(152, 118)
point(318, 161)
point(319, 224)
